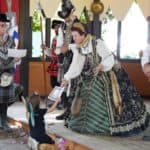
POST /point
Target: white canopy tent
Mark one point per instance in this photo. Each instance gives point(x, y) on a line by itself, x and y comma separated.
point(52, 6)
point(119, 7)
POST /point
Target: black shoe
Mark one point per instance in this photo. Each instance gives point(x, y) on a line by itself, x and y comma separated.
point(63, 116)
point(60, 117)
point(60, 107)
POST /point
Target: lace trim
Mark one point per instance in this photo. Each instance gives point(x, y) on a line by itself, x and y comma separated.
point(129, 127)
point(85, 41)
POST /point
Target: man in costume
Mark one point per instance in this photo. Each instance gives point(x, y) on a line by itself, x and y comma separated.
point(7, 70)
point(63, 41)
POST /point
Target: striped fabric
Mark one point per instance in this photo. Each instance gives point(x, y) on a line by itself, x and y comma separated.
point(99, 114)
point(7, 94)
point(93, 117)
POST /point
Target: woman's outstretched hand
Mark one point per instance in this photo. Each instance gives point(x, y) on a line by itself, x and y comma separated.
point(64, 48)
point(64, 83)
point(98, 69)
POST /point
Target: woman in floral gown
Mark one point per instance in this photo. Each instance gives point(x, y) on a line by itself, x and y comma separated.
point(106, 101)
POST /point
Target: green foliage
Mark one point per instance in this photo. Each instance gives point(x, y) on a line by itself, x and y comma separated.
point(36, 26)
point(109, 16)
point(85, 16)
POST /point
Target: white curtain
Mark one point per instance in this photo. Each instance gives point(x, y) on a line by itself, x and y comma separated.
point(119, 7)
point(49, 6)
point(145, 7)
point(80, 5)
point(106, 4)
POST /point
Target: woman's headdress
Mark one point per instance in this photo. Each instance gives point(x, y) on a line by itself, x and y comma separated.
point(78, 27)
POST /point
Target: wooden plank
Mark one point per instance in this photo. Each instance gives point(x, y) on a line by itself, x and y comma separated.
point(36, 78)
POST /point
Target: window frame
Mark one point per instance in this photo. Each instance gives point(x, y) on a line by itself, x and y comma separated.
point(119, 44)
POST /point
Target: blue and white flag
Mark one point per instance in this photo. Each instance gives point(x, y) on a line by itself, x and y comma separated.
point(14, 34)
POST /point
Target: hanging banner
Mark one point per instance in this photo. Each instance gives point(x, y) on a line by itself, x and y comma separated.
point(79, 6)
point(106, 6)
point(120, 8)
point(145, 7)
point(33, 6)
point(49, 6)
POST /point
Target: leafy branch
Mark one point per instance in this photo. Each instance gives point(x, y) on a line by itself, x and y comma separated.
point(85, 15)
point(36, 26)
point(109, 16)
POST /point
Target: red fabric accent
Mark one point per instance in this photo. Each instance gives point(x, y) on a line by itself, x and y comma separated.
point(53, 67)
point(15, 8)
point(17, 75)
point(3, 6)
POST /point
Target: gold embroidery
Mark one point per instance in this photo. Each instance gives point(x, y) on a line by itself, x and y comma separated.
point(116, 93)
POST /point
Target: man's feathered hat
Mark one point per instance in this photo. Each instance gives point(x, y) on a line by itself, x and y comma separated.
point(66, 8)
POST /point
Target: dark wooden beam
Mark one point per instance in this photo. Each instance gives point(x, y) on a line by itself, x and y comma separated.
point(25, 41)
point(48, 31)
point(96, 26)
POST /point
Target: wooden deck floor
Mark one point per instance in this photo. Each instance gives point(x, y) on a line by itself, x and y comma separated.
point(17, 111)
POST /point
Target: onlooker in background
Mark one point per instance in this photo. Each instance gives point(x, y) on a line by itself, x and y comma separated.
point(53, 66)
point(51, 52)
point(7, 70)
point(145, 61)
point(65, 55)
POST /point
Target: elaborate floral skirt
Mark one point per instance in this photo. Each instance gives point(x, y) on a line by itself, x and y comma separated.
point(110, 105)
